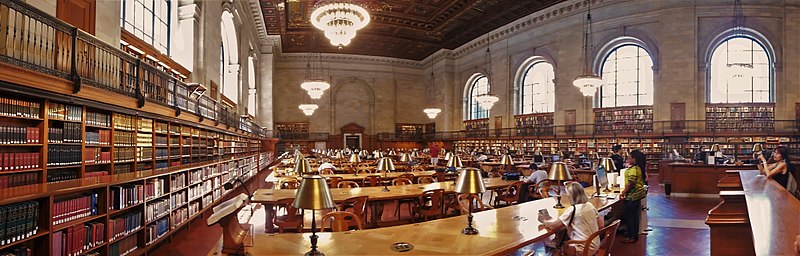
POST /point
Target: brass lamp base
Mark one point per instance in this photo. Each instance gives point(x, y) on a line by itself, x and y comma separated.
point(469, 231)
point(558, 204)
point(314, 253)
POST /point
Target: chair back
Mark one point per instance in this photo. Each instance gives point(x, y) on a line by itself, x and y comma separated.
point(425, 180)
point(328, 171)
point(401, 181)
point(347, 184)
point(371, 181)
point(363, 171)
point(358, 204)
point(407, 176)
point(478, 204)
point(609, 232)
point(418, 169)
point(431, 202)
point(293, 217)
point(289, 184)
point(334, 181)
point(341, 221)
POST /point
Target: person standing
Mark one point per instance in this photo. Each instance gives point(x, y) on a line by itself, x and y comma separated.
point(619, 161)
point(632, 195)
point(434, 154)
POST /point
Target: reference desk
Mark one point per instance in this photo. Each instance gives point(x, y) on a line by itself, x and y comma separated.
point(502, 231)
point(690, 178)
point(269, 197)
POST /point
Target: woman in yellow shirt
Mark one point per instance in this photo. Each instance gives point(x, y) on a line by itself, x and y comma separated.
point(632, 195)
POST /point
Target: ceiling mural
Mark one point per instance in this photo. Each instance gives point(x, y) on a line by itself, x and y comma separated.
point(407, 29)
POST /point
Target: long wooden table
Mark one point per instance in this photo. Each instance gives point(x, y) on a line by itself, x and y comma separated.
point(502, 231)
point(773, 214)
point(269, 197)
point(688, 178)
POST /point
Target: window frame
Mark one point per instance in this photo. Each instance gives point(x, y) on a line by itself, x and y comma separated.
point(527, 68)
point(602, 62)
point(154, 21)
point(754, 40)
point(473, 111)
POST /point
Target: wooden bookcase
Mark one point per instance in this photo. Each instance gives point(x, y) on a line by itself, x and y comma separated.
point(63, 167)
point(477, 128)
point(534, 124)
point(623, 120)
point(406, 130)
point(740, 117)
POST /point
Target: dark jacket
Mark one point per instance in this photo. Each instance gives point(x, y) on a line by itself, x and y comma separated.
point(619, 162)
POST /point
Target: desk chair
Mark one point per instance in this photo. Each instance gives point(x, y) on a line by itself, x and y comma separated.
point(425, 180)
point(293, 217)
point(408, 176)
point(341, 221)
point(400, 202)
point(431, 204)
point(463, 202)
point(357, 204)
point(289, 184)
point(334, 181)
point(510, 195)
point(364, 171)
point(371, 181)
point(418, 169)
point(609, 232)
point(347, 184)
point(328, 171)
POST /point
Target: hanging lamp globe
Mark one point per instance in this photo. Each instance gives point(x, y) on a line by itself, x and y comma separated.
point(315, 87)
point(487, 101)
point(432, 112)
point(308, 109)
point(339, 19)
point(588, 84)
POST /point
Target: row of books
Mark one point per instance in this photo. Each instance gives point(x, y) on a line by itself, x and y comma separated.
point(144, 154)
point(18, 221)
point(156, 209)
point(124, 225)
point(62, 175)
point(156, 230)
point(179, 216)
point(19, 161)
point(98, 119)
point(161, 141)
point(154, 188)
point(98, 138)
point(14, 134)
point(124, 154)
point(95, 174)
point(96, 156)
point(71, 133)
point(77, 239)
point(162, 154)
point(64, 112)
point(144, 140)
point(63, 155)
point(124, 246)
point(177, 199)
point(123, 168)
point(125, 196)
point(19, 108)
point(161, 127)
point(18, 179)
point(17, 250)
point(124, 122)
point(127, 139)
point(75, 208)
point(177, 181)
point(145, 125)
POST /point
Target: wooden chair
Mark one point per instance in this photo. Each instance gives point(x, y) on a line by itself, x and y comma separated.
point(477, 205)
point(334, 181)
point(511, 194)
point(328, 171)
point(407, 176)
point(371, 181)
point(357, 204)
point(431, 204)
point(289, 184)
point(347, 184)
point(425, 180)
point(608, 233)
point(364, 171)
point(293, 217)
point(341, 221)
point(401, 181)
point(418, 169)
point(400, 202)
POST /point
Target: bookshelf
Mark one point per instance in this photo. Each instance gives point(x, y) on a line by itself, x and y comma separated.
point(406, 130)
point(477, 128)
point(534, 124)
point(85, 180)
point(291, 127)
point(623, 120)
point(740, 117)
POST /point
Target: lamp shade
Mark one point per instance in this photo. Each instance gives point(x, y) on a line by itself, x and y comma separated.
point(561, 154)
point(339, 155)
point(405, 157)
point(757, 148)
point(355, 158)
point(385, 164)
point(507, 160)
point(455, 161)
point(447, 156)
point(715, 148)
point(301, 165)
point(559, 172)
point(470, 181)
point(608, 164)
point(313, 194)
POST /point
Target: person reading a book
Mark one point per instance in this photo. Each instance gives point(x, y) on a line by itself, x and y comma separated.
point(779, 169)
point(580, 221)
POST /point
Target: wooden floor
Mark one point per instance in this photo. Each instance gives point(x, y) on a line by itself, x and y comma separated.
point(677, 225)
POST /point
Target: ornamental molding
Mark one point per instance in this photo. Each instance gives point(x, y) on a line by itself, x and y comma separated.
point(352, 58)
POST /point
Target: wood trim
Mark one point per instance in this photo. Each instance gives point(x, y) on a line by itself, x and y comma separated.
point(89, 20)
point(150, 50)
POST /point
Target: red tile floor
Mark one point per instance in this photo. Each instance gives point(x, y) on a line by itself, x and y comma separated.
point(677, 229)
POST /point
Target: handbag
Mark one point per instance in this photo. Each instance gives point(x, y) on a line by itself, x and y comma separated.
point(563, 235)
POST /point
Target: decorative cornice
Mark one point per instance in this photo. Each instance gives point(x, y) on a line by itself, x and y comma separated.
point(351, 58)
point(258, 20)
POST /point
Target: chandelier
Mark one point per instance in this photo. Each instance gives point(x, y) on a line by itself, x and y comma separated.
point(589, 82)
point(314, 84)
point(432, 112)
point(487, 100)
point(339, 19)
point(740, 70)
point(308, 109)
point(315, 88)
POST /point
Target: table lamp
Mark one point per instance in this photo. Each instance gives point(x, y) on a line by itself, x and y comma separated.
point(355, 159)
point(405, 158)
point(313, 195)
point(386, 165)
point(470, 182)
point(339, 155)
point(448, 156)
point(301, 166)
point(506, 161)
point(608, 165)
point(559, 173)
point(454, 162)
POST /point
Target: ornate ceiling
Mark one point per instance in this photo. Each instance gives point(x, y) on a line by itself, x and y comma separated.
point(407, 29)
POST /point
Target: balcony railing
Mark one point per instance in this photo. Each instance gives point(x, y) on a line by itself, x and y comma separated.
point(35, 40)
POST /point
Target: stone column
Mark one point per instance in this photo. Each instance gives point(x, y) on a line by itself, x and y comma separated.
point(264, 116)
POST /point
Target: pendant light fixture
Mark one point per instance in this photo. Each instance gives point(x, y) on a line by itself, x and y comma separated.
point(487, 100)
point(339, 19)
point(741, 71)
point(431, 112)
point(315, 83)
point(589, 82)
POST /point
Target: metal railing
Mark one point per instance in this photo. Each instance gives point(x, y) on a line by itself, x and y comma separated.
point(35, 40)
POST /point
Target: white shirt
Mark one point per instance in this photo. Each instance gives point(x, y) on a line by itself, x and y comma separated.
point(482, 158)
point(584, 225)
point(537, 176)
point(326, 166)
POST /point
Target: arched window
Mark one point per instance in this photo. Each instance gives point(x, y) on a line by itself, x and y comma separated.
point(148, 20)
point(230, 58)
point(479, 85)
point(251, 81)
point(627, 73)
point(537, 91)
point(740, 71)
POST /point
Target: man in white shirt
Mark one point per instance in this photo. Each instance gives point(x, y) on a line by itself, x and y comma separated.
point(537, 175)
point(326, 165)
point(481, 158)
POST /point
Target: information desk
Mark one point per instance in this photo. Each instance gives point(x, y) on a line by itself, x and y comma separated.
point(688, 178)
point(502, 231)
point(773, 214)
point(269, 197)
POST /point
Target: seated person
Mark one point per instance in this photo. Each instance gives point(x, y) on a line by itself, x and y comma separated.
point(537, 175)
point(581, 221)
point(326, 165)
point(481, 157)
